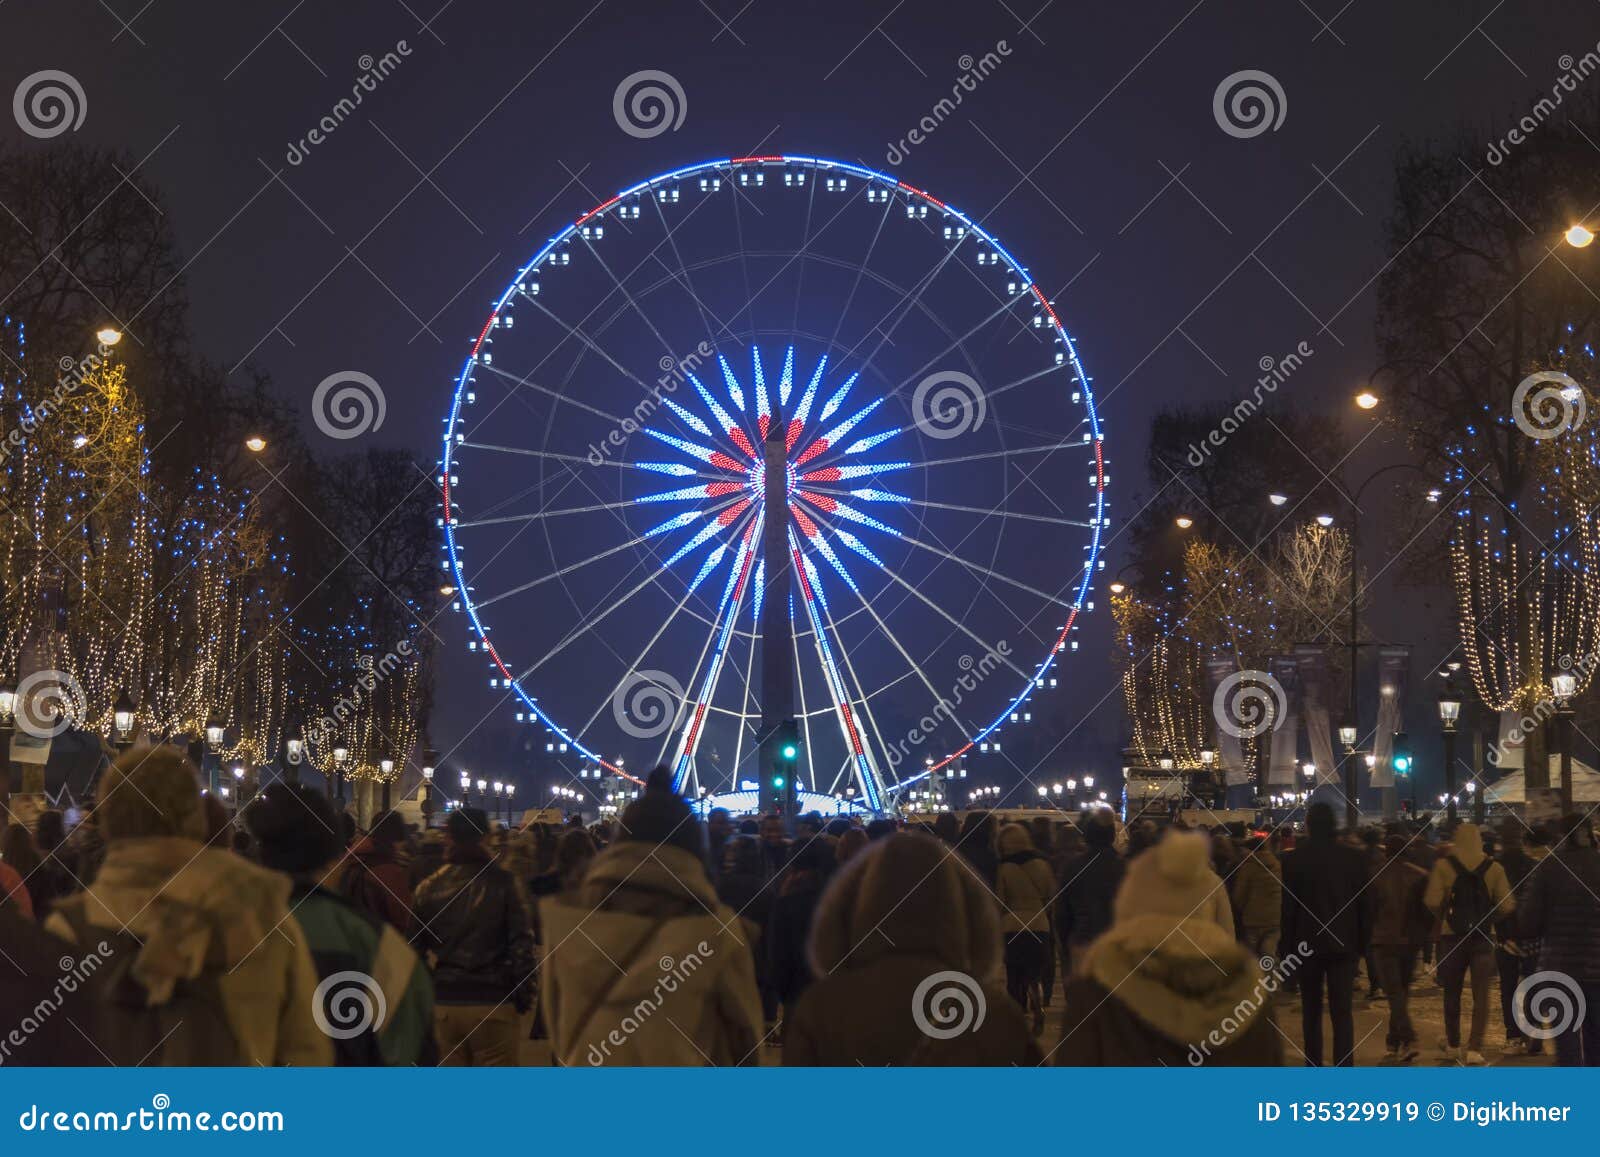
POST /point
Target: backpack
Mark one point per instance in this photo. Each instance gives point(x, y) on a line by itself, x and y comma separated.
point(190, 1029)
point(1468, 906)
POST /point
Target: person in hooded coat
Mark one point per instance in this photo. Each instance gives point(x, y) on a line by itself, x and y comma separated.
point(905, 948)
point(195, 916)
point(644, 965)
point(1328, 908)
point(1083, 909)
point(1025, 887)
point(1464, 951)
point(1168, 984)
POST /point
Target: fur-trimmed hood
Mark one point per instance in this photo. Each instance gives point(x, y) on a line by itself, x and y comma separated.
point(1183, 978)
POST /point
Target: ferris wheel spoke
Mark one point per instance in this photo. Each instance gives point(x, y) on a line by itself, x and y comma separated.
point(707, 315)
point(592, 509)
point(861, 269)
point(911, 664)
point(872, 494)
point(917, 374)
point(527, 381)
point(849, 725)
point(722, 630)
point(907, 304)
point(637, 540)
point(873, 766)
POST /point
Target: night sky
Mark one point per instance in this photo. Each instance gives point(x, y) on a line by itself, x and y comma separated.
point(1178, 256)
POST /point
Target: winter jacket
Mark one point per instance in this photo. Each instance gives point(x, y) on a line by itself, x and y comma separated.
point(1083, 910)
point(54, 1012)
point(376, 880)
point(346, 939)
point(1560, 906)
point(1399, 918)
point(473, 929)
point(1468, 851)
point(1159, 990)
point(784, 943)
point(14, 892)
point(48, 883)
point(645, 966)
point(1025, 887)
point(906, 937)
point(197, 909)
point(1325, 898)
point(1258, 891)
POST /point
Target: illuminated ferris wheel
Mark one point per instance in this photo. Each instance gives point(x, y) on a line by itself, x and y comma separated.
point(773, 437)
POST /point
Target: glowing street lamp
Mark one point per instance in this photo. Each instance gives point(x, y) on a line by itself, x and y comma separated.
point(1324, 520)
point(1184, 522)
point(110, 335)
point(1578, 237)
point(1367, 400)
point(122, 720)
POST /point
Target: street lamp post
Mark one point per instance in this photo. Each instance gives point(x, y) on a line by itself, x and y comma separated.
point(425, 804)
point(122, 721)
point(386, 766)
point(8, 718)
point(1449, 712)
point(1563, 686)
point(1352, 810)
point(294, 748)
point(215, 734)
point(340, 754)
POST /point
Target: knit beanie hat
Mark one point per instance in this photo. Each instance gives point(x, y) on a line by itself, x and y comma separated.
point(1174, 878)
point(150, 791)
point(660, 816)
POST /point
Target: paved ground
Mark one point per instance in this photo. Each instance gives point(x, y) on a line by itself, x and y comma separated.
point(1372, 1017)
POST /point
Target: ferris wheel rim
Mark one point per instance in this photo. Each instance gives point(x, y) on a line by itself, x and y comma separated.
point(1094, 436)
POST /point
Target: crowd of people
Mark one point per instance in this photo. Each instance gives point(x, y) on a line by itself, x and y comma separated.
point(162, 930)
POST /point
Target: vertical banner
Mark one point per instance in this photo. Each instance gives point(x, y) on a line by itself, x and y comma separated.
point(1230, 751)
point(1283, 763)
point(1312, 663)
point(1511, 742)
point(1394, 665)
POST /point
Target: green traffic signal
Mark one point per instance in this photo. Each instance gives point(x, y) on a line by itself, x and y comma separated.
point(777, 781)
point(789, 751)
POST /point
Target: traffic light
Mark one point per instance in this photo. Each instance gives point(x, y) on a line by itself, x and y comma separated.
point(785, 791)
point(1401, 759)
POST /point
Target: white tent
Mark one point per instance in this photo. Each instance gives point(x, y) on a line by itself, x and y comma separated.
point(1511, 788)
